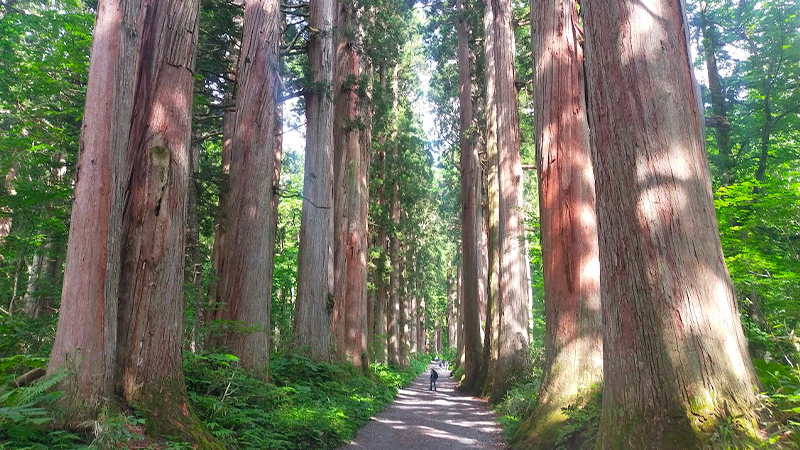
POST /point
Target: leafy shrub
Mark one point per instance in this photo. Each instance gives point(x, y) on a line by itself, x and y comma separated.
point(308, 405)
point(518, 405)
point(583, 420)
point(24, 414)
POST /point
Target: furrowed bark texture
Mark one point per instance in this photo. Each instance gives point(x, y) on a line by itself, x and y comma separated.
point(245, 287)
point(394, 240)
point(273, 225)
point(675, 358)
point(490, 347)
point(459, 315)
point(314, 304)
point(571, 266)
point(86, 336)
point(471, 226)
point(451, 307)
point(403, 317)
point(151, 302)
point(368, 312)
point(350, 255)
point(214, 310)
point(382, 299)
point(513, 298)
point(193, 269)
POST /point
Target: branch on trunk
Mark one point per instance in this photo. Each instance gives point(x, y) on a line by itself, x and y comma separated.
point(453, 160)
point(298, 195)
point(717, 122)
point(29, 377)
point(529, 167)
point(291, 46)
point(207, 136)
point(288, 97)
point(300, 51)
point(783, 115)
point(295, 128)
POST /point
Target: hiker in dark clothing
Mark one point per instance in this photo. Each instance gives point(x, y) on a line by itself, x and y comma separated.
point(434, 377)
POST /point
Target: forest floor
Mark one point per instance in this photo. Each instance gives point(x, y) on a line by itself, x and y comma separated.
point(422, 419)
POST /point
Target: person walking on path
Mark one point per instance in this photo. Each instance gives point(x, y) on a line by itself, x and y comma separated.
point(422, 419)
point(434, 377)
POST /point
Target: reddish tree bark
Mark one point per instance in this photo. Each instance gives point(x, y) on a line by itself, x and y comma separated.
point(675, 357)
point(394, 321)
point(314, 304)
point(513, 299)
point(368, 314)
point(86, 337)
point(471, 226)
point(382, 299)
point(452, 339)
point(245, 287)
point(573, 338)
point(149, 373)
point(350, 191)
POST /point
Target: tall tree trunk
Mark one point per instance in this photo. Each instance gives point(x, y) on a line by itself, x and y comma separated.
point(244, 282)
point(722, 127)
point(149, 372)
point(422, 339)
point(34, 301)
point(382, 299)
point(193, 270)
point(675, 358)
point(86, 337)
point(513, 299)
point(350, 263)
point(459, 315)
point(273, 225)
point(394, 243)
point(363, 217)
point(471, 226)
point(315, 303)
point(451, 308)
point(214, 310)
point(571, 266)
point(405, 307)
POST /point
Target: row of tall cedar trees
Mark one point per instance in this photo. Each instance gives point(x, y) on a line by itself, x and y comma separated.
point(120, 326)
point(637, 294)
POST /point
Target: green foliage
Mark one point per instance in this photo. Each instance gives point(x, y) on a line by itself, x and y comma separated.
point(522, 396)
point(24, 414)
point(518, 405)
point(307, 405)
point(583, 419)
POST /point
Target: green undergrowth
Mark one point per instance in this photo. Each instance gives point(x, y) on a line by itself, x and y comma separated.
point(779, 415)
point(306, 405)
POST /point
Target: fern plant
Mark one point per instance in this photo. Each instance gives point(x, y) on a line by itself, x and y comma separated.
point(25, 406)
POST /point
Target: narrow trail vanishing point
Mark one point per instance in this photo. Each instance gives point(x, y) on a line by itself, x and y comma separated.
point(421, 419)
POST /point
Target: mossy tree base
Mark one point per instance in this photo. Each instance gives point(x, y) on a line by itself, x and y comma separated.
point(167, 413)
point(661, 430)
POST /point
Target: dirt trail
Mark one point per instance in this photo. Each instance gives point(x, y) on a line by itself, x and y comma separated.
point(421, 419)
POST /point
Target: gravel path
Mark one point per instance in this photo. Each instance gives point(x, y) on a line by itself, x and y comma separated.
point(421, 419)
